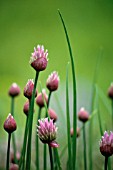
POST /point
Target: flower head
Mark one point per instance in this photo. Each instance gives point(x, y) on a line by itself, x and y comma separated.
point(26, 108)
point(83, 115)
point(39, 59)
point(39, 99)
point(106, 144)
point(14, 90)
point(47, 132)
point(14, 167)
point(53, 81)
point(52, 114)
point(28, 89)
point(110, 91)
point(77, 132)
point(10, 124)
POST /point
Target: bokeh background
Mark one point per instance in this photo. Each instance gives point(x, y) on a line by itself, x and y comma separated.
point(24, 24)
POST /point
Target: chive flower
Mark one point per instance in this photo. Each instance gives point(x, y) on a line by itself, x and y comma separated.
point(53, 81)
point(83, 115)
point(110, 91)
point(10, 124)
point(106, 144)
point(52, 114)
point(41, 97)
point(77, 132)
point(47, 132)
point(14, 167)
point(28, 89)
point(39, 58)
point(14, 90)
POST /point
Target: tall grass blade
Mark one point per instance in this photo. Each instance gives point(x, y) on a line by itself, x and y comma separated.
point(68, 120)
point(96, 72)
point(74, 94)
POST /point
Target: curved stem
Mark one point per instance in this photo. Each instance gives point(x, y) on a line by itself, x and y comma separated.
point(37, 142)
point(84, 141)
point(8, 151)
point(106, 162)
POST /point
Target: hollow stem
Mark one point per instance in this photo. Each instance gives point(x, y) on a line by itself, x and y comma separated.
point(37, 142)
point(22, 159)
point(112, 113)
point(8, 151)
point(51, 157)
point(84, 141)
point(106, 162)
point(30, 122)
point(13, 135)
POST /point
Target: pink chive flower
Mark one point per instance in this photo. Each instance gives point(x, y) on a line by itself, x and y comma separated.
point(14, 167)
point(77, 132)
point(52, 114)
point(110, 91)
point(53, 81)
point(39, 59)
point(83, 115)
point(10, 124)
point(47, 132)
point(26, 108)
point(39, 98)
point(106, 144)
point(28, 89)
point(14, 90)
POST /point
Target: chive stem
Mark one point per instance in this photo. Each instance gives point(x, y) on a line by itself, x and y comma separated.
point(8, 151)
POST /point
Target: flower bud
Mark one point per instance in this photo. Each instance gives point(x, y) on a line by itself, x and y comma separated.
point(28, 89)
point(52, 115)
point(26, 108)
point(110, 91)
point(12, 157)
point(77, 132)
point(39, 59)
point(14, 90)
point(39, 99)
point(83, 115)
point(106, 144)
point(10, 124)
point(53, 81)
point(14, 167)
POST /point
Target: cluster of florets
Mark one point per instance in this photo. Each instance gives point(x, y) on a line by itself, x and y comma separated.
point(47, 132)
point(106, 144)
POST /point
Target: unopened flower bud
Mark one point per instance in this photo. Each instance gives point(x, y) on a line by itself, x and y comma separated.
point(39, 59)
point(110, 91)
point(106, 144)
point(53, 81)
point(10, 124)
point(41, 97)
point(12, 157)
point(26, 108)
point(28, 89)
point(52, 115)
point(14, 167)
point(14, 90)
point(83, 115)
point(77, 132)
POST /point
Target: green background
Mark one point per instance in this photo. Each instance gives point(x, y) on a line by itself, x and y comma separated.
point(25, 23)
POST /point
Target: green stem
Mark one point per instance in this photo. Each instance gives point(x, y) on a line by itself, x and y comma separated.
point(22, 159)
point(8, 151)
point(30, 122)
point(112, 112)
point(84, 141)
point(13, 135)
point(106, 162)
point(51, 157)
point(45, 148)
point(37, 142)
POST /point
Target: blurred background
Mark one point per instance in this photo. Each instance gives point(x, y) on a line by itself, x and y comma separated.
point(24, 24)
